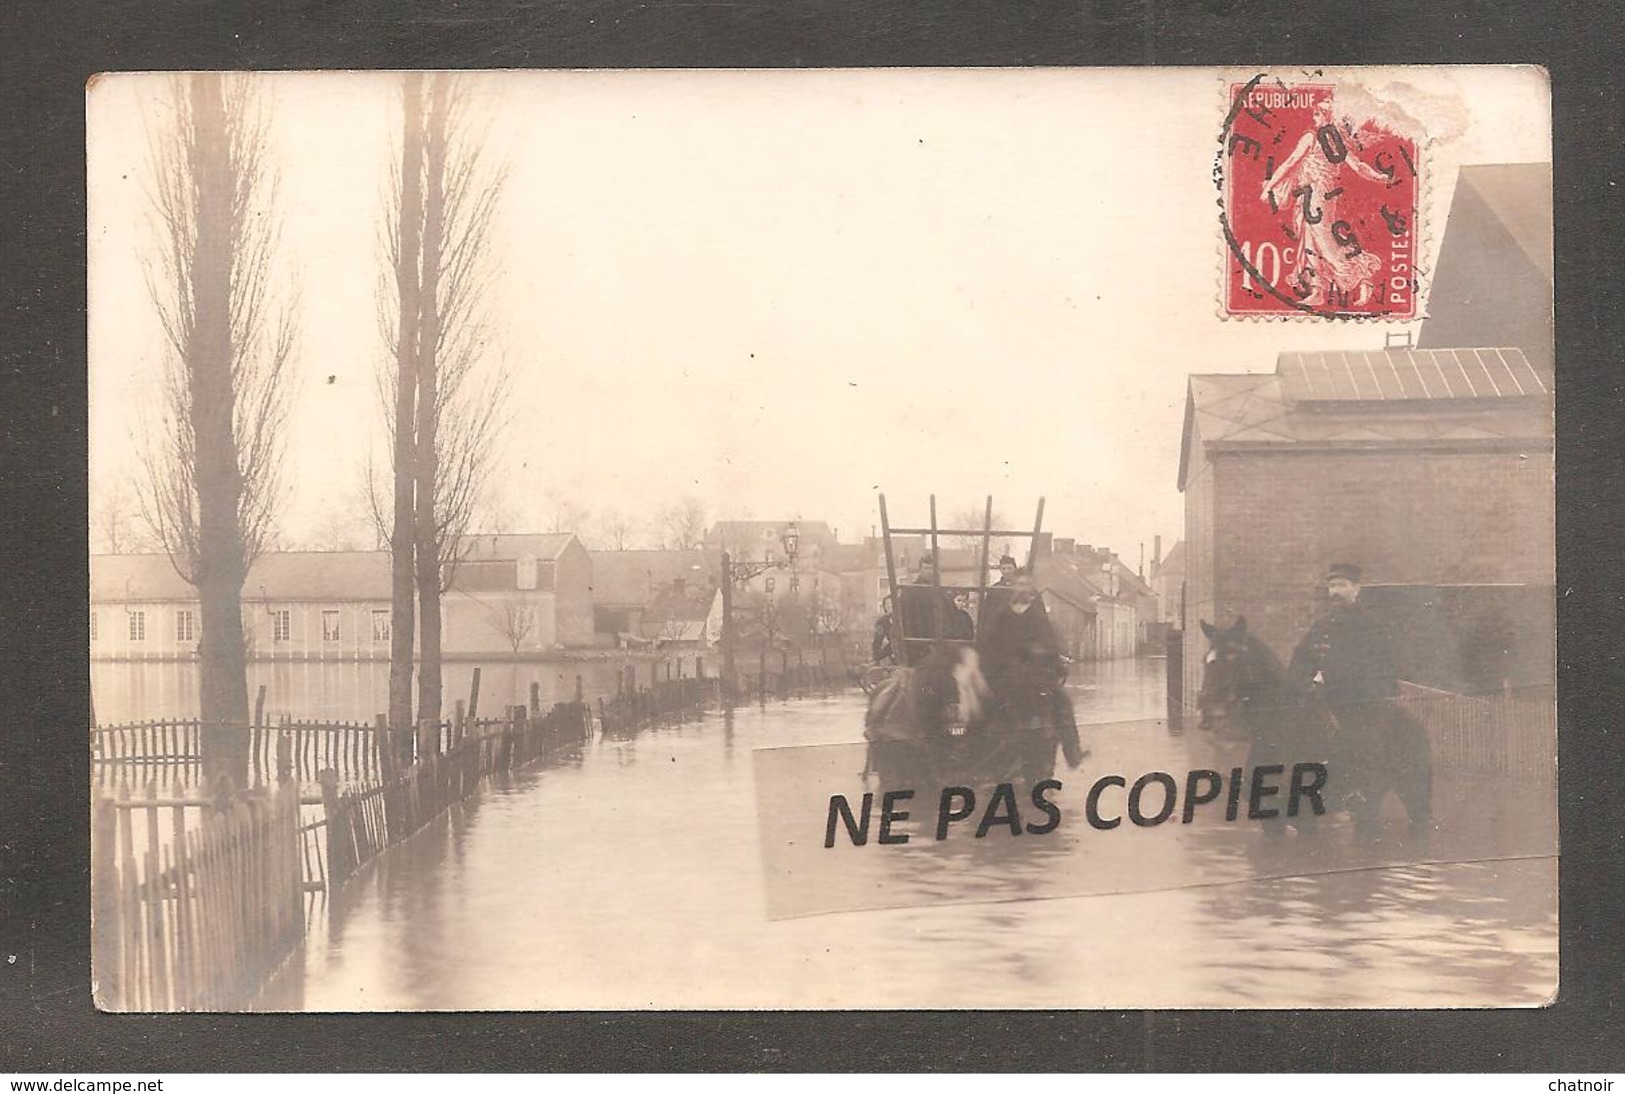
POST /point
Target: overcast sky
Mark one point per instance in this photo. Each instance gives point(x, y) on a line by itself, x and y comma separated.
point(782, 292)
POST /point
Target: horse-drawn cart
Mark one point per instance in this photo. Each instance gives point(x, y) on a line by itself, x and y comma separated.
point(932, 715)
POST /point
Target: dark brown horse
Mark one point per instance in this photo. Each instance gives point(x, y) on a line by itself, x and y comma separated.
point(1369, 750)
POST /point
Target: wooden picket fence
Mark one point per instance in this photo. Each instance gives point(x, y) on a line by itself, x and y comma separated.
point(1510, 735)
point(362, 822)
point(674, 700)
point(198, 920)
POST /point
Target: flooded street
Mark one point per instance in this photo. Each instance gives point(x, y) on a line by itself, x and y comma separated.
point(631, 875)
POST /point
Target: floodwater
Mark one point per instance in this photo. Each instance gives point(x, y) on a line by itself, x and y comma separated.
point(631, 875)
point(356, 691)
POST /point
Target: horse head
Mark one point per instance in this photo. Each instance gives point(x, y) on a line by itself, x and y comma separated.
point(1237, 670)
point(924, 701)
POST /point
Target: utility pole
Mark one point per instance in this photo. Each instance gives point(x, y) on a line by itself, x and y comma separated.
point(728, 618)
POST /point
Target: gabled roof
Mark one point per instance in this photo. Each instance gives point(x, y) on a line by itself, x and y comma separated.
point(1519, 195)
point(1174, 561)
point(636, 577)
point(1062, 579)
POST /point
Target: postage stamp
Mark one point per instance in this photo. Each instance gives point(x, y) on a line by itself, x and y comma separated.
point(1319, 203)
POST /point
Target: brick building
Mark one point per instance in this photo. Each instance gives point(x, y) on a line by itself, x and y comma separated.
point(1431, 468)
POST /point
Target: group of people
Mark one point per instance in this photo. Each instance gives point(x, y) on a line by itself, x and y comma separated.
point(1016, 651)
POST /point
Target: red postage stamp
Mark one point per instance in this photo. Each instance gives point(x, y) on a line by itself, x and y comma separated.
point(1319, 205)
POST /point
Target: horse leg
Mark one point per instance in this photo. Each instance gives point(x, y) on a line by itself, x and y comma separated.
point(1413, 769)
point(1265, 749)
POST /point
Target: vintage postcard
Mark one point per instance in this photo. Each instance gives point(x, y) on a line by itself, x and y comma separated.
point(1026, 538)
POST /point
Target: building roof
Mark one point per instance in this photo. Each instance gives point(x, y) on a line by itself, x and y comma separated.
point(1519, 195)
point(635, 577)
point(1370, 399)
point(1063, 578)
point(1491, 283)
point(276, 575)
point(136, 577)
point(1174, 561)
point(1405, 374)
point(506, 546)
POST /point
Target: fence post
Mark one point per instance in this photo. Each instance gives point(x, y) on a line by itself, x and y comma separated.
point(474, 694)
point(107, 957)
point(535, 697)
point(284, 753)
point(385, 745)
point(579, 690)
point(458, 725)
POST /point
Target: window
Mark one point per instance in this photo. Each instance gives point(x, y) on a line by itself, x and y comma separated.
point(185, 629)
point(330, 625)
point(795, 583)
point(280, 625)
point(93, 626)
point(138, 626)
point(769, 583)
point(767, 555)
point(380, 625)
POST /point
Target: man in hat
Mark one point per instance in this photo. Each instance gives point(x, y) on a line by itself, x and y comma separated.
point(928, 611)
point(998, 595)
point(1346, 663)
point(1345, 658)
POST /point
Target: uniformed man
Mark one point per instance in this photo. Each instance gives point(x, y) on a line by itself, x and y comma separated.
point(1346, 663)
point(1345, 658)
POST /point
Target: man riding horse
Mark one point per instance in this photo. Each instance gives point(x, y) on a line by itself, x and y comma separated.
point(1346, 665)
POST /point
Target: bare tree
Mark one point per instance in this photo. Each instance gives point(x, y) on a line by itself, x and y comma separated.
point(211, 483)
point(446, 391)
point(970, 517)
point(682, 524)
point(340, 526)
point(564, 513)
point(116, 527)
point(514, 620)
point(616, 530)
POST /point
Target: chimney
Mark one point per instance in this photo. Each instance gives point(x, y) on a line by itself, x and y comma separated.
point(1156, 550)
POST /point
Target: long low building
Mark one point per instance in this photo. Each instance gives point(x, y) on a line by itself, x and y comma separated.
point(511, 594)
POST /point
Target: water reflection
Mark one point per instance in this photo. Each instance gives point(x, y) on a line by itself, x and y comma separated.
point(631, 876)
point(356, 691)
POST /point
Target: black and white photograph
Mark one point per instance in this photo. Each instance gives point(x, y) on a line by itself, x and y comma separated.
point(839, 539)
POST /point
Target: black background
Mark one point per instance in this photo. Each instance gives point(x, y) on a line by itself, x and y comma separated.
point(47, 1022)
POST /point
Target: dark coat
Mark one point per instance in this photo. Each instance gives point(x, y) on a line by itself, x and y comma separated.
point(881, 647)
point(1349, 647)
point(930, 612)
point(1020, 658)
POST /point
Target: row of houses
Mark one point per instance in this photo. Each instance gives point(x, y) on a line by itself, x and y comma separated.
point(528, 596)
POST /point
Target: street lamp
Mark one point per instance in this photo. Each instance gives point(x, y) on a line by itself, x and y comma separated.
point(743, 569)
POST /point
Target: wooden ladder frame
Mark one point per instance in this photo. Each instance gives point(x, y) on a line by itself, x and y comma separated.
point(904, 642)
